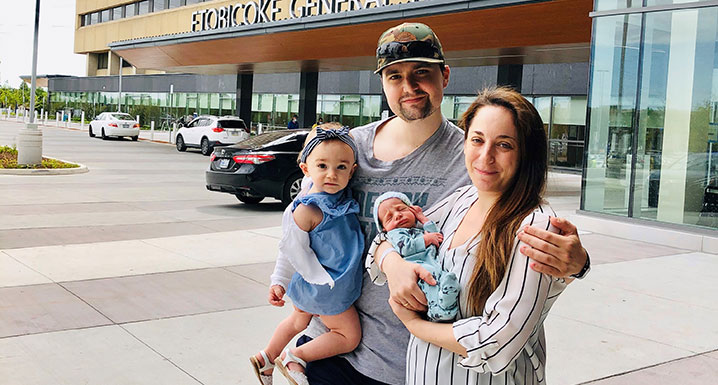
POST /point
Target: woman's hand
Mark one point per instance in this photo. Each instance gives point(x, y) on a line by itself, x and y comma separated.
point(402, 277)
point(405, 315)
point(558, 255)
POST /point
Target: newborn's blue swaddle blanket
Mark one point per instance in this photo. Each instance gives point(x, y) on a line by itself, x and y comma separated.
point(442, 297)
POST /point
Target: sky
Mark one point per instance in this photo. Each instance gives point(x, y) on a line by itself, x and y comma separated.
point(55, 55)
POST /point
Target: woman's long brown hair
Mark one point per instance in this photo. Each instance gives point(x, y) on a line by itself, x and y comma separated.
point(521, 197)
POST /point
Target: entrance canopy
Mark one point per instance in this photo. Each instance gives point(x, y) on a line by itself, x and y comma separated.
point(473, 33)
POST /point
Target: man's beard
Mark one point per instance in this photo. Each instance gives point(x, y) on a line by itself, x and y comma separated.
point(411, 114)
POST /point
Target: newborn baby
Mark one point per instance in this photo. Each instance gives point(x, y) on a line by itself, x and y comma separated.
point(417, 238)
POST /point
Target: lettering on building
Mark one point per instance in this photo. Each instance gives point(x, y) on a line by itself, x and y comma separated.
point(266, 11)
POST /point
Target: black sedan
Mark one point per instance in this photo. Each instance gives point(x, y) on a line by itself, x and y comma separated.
point(261, 166)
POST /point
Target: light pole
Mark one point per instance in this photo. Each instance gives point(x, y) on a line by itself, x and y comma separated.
point(119, 100)
point(29, 138)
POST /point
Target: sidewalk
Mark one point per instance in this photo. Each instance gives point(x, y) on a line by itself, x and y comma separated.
point(191, 308)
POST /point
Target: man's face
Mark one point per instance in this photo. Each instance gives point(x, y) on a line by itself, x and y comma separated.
point(414, 90)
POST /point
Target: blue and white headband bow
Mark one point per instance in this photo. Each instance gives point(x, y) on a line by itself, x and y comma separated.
point(322, 135)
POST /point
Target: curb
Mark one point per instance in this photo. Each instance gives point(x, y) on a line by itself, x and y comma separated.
point(46, 171)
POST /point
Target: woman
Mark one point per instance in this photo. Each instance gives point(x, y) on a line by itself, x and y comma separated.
point(498, 335)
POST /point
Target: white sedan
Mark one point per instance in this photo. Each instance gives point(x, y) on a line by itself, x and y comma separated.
point(114, 124)
point(207, 131)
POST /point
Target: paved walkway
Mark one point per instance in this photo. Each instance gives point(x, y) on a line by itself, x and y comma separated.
point(120, 303)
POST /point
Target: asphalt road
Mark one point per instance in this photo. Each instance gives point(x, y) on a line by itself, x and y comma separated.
point(134, 190)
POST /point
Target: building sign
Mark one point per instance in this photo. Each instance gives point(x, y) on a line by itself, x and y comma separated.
point(265, 11)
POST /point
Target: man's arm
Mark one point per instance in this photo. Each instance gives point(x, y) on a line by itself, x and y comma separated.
point(558, 255)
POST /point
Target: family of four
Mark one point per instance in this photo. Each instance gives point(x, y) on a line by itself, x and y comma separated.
point(420, 252)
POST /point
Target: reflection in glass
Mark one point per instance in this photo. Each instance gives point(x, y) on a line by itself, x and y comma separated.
point(613, 98)
point(566, 139)
point(676, 159)
point(604, 5)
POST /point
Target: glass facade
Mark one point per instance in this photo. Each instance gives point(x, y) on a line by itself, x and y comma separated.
point(272, 110)
point(564, 116)
point(653, 107)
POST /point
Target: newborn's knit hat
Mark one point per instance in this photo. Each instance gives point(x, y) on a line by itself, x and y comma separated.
point(382, 198)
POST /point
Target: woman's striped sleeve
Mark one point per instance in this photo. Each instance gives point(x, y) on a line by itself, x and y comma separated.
point(511, 314)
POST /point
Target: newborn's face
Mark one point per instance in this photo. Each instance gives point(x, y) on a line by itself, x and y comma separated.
point(393, 213)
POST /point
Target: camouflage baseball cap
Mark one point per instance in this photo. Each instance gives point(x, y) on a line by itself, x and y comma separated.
point(408, 42)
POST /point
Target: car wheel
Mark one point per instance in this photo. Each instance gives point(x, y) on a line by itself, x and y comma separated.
point(205, 147)
point(292, 187)
point(135, 138)
point(92, 134)
point(180, 144)
point(104, 137)
point(248, 199)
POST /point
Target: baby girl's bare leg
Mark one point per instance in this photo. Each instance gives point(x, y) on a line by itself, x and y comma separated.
point(285, 331)
point(343, 337)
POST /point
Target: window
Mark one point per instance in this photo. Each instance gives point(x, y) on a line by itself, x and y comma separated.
point(105, 15)
point(143, 7)
point(116, 13)
point(84, 20)
point(94, 18)
point(175, 3)
point(102, 61)
point(130, 10)
point(126, 64)
point(159, 5)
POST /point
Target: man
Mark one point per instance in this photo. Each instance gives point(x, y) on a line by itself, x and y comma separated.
point(417, 152)
point(293, 124)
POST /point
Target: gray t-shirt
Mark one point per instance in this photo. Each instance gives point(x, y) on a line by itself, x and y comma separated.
point(428, 174)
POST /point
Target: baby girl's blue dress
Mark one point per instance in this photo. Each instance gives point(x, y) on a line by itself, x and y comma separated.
point(338, 243)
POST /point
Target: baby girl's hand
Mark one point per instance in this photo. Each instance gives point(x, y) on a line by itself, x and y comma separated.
point(276, 293)
point(419, 214)
point(433, 239)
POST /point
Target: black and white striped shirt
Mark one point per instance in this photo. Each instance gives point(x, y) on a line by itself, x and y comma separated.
point(505, 344)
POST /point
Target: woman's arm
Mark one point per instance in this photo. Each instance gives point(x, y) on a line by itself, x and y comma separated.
point(511, 313)
point(492, 341)
point(439, 334)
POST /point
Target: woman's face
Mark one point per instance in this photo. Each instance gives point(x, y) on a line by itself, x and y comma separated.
point(491, 149)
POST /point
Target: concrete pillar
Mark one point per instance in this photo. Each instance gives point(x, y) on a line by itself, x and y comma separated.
point(82, 121)
point(245, 84)
point(174, 133)
point(29, 145)
point(308, 88)
point(510, 75)
point(152, 130)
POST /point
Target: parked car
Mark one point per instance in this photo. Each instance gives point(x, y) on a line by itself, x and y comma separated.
point(114, 124)
point(262, 166)
point(207, 132)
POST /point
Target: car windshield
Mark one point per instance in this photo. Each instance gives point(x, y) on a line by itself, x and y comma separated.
point(231, 123)
point(267, 138)
point(122, 117)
